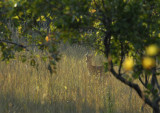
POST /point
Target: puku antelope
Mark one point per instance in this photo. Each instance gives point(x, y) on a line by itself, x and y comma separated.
point(94, 70)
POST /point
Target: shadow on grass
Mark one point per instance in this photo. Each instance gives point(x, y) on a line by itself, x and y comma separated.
point(11, 104)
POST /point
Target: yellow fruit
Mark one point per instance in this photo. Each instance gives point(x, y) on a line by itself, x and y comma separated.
point(148, 63)
point(128, 64)
point(47, 38)
point(65, 87)
point(93, 11)
point(152, 50)
point(158, 35)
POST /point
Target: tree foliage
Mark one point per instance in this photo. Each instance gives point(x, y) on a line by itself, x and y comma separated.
point(117, 28)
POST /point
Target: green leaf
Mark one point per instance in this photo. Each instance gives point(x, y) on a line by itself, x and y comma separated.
point(149, 86)
point(23, 58)
point(32, 62)
point(106, 67)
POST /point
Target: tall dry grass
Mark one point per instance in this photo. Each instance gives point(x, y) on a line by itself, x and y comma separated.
point(24, 89)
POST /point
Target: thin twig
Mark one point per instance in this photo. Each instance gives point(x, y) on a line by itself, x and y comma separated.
point(140, 79)
point(20, 45)
point(9, 42)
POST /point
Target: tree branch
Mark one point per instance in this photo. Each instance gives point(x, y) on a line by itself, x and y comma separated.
point(105, 20)
point(9, 42)
point(130, 84)
point(154, 80)
point(20, 45)
point(140, 79)
point(122, 56)
point(146, 79)
point(157, 100)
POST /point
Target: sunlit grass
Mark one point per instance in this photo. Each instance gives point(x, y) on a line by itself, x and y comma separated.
point(24, 89)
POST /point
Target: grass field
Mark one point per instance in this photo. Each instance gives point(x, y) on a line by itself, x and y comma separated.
point(24, 89)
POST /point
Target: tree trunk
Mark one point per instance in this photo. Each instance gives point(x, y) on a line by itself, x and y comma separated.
point(156, 109)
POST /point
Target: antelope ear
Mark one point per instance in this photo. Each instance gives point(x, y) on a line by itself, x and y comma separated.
point(86, 54)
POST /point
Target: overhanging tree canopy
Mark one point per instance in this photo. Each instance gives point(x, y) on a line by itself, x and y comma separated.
point(118, 28)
